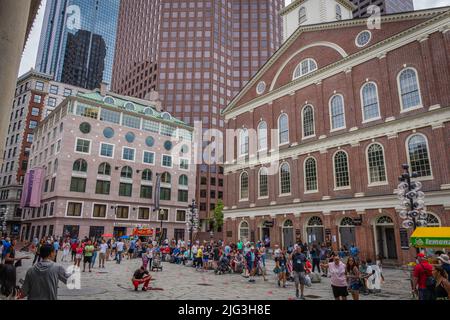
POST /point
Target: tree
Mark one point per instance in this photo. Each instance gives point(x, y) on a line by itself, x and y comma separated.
point(218, 216)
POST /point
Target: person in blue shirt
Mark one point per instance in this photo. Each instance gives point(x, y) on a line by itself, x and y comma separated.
point(6, 243)
point(131, 249)
point(56, 248)
point(354, 252)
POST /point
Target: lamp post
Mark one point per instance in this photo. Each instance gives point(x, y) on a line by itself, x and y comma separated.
point(412, 204)
point(3, 216)
point(192, 222)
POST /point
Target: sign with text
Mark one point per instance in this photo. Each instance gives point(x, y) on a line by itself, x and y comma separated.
point(404, 240)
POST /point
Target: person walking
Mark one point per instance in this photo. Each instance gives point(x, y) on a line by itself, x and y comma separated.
point(9, 273)
point(78, 254)
point(251, 263)
point(119, 248)
point(281, 267)
point(444, 262)
point(422, 275)
point(299, 272)
point(336, 271)
point(74, 247)
point(353, 277)
point(442, 287)
point(94, 254)
point(88, 253)
point(41, 281)
point(102, 254)
point(37, 257)
point(66, 248)
point(56, 247)
point(315, 258)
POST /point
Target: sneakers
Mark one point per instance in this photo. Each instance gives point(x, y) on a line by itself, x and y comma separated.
point(135, 289)
point(251, 280)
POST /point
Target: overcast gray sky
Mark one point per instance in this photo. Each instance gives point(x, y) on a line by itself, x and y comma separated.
point(29, 55)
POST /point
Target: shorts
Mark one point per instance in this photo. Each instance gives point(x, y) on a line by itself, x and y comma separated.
point(87, 259)
point(356, 286)
point(77, 256)
point(339, 291)
point(102, 256)
point(130, 250)
point(299, 277)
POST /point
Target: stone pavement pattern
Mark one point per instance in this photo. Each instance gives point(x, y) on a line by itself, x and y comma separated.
point(182, 282)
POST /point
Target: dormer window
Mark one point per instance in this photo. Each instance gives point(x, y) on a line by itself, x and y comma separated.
point(129, 106)
point(304, 67)
point(301, 15)
point(338, 12)
point(166, 116)
point(109, 100)
point(148, 111)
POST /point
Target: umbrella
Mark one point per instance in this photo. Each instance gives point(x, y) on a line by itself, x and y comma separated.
point(107, 235)
point(125, 237)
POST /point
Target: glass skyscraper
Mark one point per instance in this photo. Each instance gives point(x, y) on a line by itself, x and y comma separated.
point(78, 41)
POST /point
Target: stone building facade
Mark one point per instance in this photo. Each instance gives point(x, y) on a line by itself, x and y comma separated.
point(319, 135)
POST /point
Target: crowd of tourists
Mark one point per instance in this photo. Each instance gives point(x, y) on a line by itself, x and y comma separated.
point(300, 263)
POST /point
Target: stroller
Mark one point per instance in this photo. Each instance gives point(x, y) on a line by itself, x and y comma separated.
point(223, 266)
point(156, 262)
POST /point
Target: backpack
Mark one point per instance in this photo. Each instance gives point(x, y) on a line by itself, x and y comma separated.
point(430, 281)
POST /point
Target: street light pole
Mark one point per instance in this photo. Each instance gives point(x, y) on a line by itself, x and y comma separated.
point(193, 209)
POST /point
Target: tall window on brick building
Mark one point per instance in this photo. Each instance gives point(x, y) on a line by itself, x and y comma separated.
point(243, 142)
point(302, 15)
point(80, 165)
point(408, 84)
point(183, 188)
point(262, 136)
point(369, 101)
point(283, 129)
point(308, 121)
point(341, 173)
point(263, 186)
point(244, 231)
point(310, 175)
point(418, 155)
point(306, 66)
point(376, 164)
point(285, 179)
point(337, 112)
point(243, 186)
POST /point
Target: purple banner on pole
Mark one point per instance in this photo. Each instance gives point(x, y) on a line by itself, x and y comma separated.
point(32, 188)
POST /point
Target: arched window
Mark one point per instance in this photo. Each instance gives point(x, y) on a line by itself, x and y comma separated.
point(288, 224)
point(369, 101)
point(301, 15)
point(104, 169)
point(243, 186)
point(283, 128)
point(341, 174)
point(80, 166)
point(338, 12)
point(315, 222)
point(347, 222)
point(304, 67)
point(243, 231)
point(166, 177)
point(337, 112)
point(147, 175)
point(310, 174)
point(432, 220)
point(418, 155)
point(376, 164)
point(384, 220)
point(308, 121)
point(408, 84)
point(285, 179)
point(243, 142)
point(126, 172)
point(263, 183)
point(262, 136)
point(183, 180)
point(55, 166)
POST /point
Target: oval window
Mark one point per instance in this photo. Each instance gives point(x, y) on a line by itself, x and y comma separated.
point(150, 142)
point(130, 137)
point(261, 87)
point(85, 127)
point(108, 133)
point(129, 106)
point(168, 145)
point(363, 38)
point(109, 100)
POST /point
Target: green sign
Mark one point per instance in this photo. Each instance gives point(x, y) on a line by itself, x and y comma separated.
point(431, 242)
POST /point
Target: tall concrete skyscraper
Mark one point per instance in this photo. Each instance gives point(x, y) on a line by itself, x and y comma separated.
point(78, 40)
point(197, 55)
point(386, 6)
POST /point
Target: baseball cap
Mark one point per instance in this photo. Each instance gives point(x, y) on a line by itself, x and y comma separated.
point(421, 255)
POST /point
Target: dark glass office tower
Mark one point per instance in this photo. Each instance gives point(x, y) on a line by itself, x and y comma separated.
point(386, 6)
point(78, 41)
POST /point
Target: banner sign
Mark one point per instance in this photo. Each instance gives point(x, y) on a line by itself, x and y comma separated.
point(142, 232)
point(32, 188)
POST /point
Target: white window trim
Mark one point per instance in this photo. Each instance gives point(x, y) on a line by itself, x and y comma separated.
point(147, 163)
point(49, 205)
point(336, 188)
point(189, 164)
point(162, 160)
point(300, 65)
point(304, 176)
point(302, 125)
point(67, 208)
point(362, 102)
point(257, 133)
point(239, 229)
point(129, 213)
point(259, 92)
point(259, 184)
point(100, 150)
point(241, 132)
point(426, 178)
point(279, 132)
point(168, 215)
point(106, 212)
point(420, 105)
point(76, 143)
point(114, 100)
point(279, 180)
point(379, 183)
point(240, 187)
point(149, 213)
point(134, 158)
point(185, 215)
point(331, 115)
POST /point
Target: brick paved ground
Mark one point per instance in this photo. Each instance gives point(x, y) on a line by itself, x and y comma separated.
point(181, 282)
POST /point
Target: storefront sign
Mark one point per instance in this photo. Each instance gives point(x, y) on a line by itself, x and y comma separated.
point(404, 241)
point(268, 224)
point(357, 221)
point(142, 232)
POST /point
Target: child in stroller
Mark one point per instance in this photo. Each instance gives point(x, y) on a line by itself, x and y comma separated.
point(156, 261)
point(223, 266)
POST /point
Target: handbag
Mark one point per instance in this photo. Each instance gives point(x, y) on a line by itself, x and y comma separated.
point(308, 281)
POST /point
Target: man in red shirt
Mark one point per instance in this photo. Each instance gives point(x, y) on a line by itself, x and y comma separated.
point(73, 248)
point(422, 271)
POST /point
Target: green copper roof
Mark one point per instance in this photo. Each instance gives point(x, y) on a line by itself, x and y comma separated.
point(121, 101)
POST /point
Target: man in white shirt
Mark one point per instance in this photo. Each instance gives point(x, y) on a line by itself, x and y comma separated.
point(102, 256)
point(119, 246)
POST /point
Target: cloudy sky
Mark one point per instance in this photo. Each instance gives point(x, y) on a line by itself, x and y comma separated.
point(29, 55)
